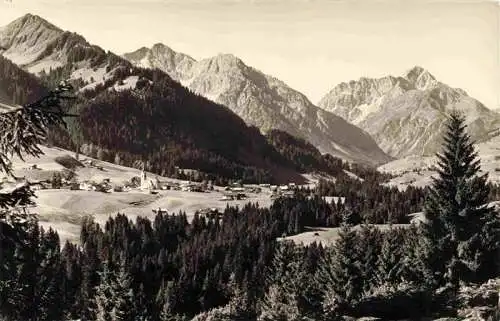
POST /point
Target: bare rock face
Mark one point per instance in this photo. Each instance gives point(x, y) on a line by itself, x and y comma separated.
point(405, 114)
point(26, 38)
point(264, 101)
point(159, 56)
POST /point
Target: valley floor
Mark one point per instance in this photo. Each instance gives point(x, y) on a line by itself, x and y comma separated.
point(63, 209)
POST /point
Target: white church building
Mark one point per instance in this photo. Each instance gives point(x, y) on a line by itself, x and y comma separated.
point(148, 183)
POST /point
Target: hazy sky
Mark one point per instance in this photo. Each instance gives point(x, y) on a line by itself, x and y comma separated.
point(310, 44)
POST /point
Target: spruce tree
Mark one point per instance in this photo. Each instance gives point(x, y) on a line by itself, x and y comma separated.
point(368, 251)
point(340, 273)
point(240, 303)
point(391, 260)
point(124, 308)
point(461, 231)
point(114, 298)
point(49, 278)
point(281, 299)
point(164, 300)
point(105, 296)
point(279, 305)
point(284, 266)
point(412, 266)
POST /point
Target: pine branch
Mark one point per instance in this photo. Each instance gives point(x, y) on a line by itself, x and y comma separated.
point(22, 130)
point(20, 196)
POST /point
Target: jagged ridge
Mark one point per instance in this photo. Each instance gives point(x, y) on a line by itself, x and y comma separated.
point(405, 114)
point(263, 101)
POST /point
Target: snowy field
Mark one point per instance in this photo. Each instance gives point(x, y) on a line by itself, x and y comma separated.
point(417, 171)
point(63, 209)
point(327, 235)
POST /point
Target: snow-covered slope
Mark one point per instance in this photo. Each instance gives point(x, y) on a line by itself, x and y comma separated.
point(405, 114)
point(263, 101)
point(417, 170)
point(38, 46)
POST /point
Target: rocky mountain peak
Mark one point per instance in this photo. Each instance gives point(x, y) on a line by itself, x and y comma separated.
point(224, 61)
point(405, 114)
point(159, 47)
point(26, 38)
point(420, 78)
point(25, 24)
point(160, 56)
point(32, 19)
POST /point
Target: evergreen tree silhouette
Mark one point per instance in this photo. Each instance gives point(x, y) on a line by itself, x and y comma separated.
point(461, 231)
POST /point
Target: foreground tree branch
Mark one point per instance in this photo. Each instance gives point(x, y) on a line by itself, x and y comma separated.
point(23, 129)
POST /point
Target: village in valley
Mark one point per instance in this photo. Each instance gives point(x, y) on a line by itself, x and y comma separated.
point(68, 179)
point(69, 187)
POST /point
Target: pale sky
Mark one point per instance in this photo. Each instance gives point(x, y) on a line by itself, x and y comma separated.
point(312, 45)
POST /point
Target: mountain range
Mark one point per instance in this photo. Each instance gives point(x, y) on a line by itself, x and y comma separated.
point(262, 101)
point(404, 114)
point(370, 121)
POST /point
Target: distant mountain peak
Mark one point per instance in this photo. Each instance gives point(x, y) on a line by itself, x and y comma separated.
point(143, 50)
point(160, 45)
point(227, 56)
point(222, 64)
point(416, 70)
point(163, 57)
point(26, 38)
point(420, 77)
point(228, 59)
point(32, 20)
point(405, 114)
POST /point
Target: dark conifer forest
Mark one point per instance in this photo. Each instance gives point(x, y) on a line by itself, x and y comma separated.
point(236, 266)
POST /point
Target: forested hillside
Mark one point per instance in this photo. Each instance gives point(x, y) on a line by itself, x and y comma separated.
point(164, 125)
point(306, 158)
point(17, 86)
point(154, 121)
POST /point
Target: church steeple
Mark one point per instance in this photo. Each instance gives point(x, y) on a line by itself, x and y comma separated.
point(143, 176)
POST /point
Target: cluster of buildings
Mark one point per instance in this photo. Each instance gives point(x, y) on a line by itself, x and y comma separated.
point(239, 192)
point(283, 190)
point(145, 183)
point(235, 191)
